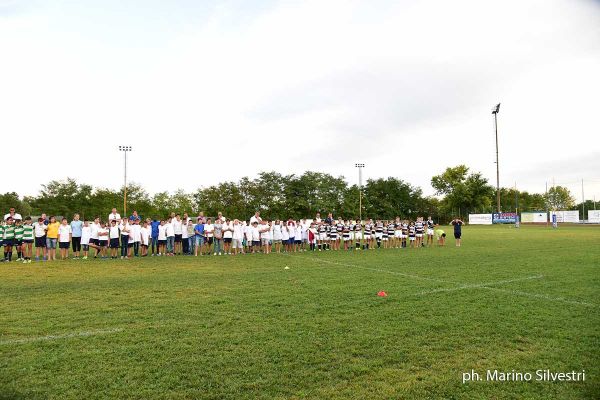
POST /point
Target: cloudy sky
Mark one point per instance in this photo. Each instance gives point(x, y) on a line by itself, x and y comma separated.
point(213, 91)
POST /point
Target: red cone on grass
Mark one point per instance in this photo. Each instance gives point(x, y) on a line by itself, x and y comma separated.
point(382, 294)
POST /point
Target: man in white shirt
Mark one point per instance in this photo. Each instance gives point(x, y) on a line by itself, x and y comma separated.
point(13, 214)
point(114, 215)
point(255, 218)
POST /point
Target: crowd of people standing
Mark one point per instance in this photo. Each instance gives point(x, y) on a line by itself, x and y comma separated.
point(117, 237)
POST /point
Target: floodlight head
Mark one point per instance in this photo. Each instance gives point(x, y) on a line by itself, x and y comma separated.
point(496, 109)
point(359, 165)
point(124, 148)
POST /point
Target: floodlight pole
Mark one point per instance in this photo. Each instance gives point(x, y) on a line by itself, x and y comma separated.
point(495, 111)
point(125, 150)
point(360, 166)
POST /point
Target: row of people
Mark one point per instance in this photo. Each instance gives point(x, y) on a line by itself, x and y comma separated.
point(133, 236)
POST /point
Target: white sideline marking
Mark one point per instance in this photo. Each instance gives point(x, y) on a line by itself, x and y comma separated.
point(478, 285)
point(464, 286)
point(64, 336)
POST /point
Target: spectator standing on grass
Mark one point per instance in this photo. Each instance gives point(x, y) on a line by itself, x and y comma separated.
point(218, 235)
point(256, 218)
point(134, 216)
point(178, 229)
point(114, 215)
point(64, 238)
point(52, 238)
point(209, 230)
point(457, 223)
point(170, 232)
point(13, 214)
point(191, 236)
point(76, 226)
point(199, 236)
point(185, 243)
point(154, 235)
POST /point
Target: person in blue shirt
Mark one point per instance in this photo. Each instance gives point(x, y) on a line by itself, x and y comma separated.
point(457, 223)
point(76, 228)
point(135, 216)
point(154, 235)
point(199, 233)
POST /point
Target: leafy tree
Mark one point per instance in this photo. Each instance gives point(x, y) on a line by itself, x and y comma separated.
point(391, 197)
point(559, 198)
point(463, 192)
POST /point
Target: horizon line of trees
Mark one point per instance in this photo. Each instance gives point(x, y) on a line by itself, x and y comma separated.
point(296, 196)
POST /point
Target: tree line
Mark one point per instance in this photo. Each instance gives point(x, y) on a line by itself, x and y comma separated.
point(458, 192)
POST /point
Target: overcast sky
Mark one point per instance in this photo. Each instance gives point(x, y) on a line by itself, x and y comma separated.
point(213, 91)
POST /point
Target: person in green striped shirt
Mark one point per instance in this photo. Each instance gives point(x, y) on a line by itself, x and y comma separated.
point(27, 246)
point(19, 239)
point(9, 239)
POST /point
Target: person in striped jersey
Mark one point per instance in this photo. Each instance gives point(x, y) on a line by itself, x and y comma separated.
point(27, 246)
point(19, 238)
point(8, 239)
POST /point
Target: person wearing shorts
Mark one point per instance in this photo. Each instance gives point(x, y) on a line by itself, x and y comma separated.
point(209, 234)
point(457, 223)
point(39, 232)
point(430, 230)
point(64, 238)
point(86, 234)
point(199, 236)
point(27, 240)
point(8, 238)
point(162, 238)
point(19, 239)
point(237, 237)
point(114, 233)
point(76, 226)
point(441, 237)
point(412, 233)
point(102, 239)
point(52, 238)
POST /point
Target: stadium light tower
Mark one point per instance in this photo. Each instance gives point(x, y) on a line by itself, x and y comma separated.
point(125, 150)
point(360, 166)
point(495, 111)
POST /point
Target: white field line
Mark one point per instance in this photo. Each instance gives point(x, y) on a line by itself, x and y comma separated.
point(466, 286)
point(478, 285)
point(63, 336)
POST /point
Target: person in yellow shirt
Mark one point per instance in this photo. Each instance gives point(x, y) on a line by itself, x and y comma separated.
point(52, 238)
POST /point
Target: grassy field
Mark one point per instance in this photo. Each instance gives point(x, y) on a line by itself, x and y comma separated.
point(247, 328)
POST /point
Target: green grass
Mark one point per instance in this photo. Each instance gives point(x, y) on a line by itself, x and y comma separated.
point(245, 328)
